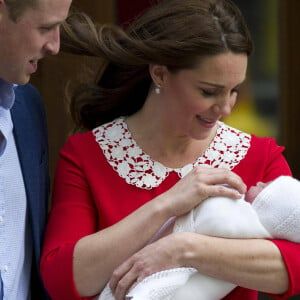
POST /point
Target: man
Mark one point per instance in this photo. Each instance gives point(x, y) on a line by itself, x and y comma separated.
point(29, 30)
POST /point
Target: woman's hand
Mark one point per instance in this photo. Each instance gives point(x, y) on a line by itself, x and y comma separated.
point(199, 184)
point(153, 258)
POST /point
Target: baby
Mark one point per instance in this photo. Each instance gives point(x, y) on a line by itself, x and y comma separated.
point(268, 210)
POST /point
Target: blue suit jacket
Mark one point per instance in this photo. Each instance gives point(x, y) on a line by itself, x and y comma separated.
point(30, 132)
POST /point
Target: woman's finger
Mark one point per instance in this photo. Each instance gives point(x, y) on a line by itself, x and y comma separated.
point(223, 191)
point(118, 274)
point(124, 285)
point(123, 278)
point(211, 176)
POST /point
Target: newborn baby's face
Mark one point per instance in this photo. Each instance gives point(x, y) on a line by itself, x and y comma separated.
point(254, 191)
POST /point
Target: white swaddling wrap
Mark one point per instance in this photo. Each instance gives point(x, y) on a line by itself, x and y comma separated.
point(274, 213)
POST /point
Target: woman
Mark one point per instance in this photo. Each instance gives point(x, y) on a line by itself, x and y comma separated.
point(155, 149)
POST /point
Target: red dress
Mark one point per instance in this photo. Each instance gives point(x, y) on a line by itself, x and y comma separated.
point(102, 176)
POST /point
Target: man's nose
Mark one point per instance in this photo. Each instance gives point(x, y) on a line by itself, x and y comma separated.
point(53, 44)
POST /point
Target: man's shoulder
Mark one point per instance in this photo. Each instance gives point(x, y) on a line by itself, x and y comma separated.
point(27, 91)
point(28, 97)
point(29, 107)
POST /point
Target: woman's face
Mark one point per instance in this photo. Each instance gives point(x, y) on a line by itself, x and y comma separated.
point(194, 100)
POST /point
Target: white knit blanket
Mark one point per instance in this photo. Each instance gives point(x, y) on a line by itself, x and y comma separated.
point(274, 213)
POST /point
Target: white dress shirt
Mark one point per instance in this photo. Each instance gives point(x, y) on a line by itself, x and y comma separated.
point(15, 238)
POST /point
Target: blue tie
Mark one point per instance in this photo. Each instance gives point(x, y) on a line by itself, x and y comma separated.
point(1, 288)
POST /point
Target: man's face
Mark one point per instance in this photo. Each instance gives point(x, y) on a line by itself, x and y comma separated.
point(35, 34)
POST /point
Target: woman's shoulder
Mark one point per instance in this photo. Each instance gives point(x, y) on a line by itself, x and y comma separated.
point(264, 161)
point(91, 135)
point(79, 144)
point(92, 141)
point(79, 137)
point(267, 143)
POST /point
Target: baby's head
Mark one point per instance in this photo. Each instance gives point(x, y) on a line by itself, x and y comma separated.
point(278, 207)
point(282, 186)
point(255, 190)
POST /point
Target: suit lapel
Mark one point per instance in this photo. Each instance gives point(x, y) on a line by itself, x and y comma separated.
point(24, 143)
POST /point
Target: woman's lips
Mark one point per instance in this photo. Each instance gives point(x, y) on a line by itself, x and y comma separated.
point(206, 122)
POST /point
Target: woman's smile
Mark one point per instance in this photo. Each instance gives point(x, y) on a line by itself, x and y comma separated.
point(206, 122)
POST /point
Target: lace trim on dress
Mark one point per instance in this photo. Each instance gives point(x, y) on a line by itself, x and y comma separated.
point(226, 150)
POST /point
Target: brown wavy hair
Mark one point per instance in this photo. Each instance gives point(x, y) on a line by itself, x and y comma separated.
point(174, 33)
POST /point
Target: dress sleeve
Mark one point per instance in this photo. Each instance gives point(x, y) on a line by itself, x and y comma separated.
point(263, 162)
point(72, 216)
point(291, 255)
point(276, 164)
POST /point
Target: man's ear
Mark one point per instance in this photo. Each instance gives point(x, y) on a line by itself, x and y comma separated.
point(158, 73)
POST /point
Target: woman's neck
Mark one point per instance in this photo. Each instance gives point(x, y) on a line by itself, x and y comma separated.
point(162, 143)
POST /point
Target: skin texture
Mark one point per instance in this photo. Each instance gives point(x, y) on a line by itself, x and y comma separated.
point(254, 191)
point(31, 38)
point(184, 115)
point(181, 122)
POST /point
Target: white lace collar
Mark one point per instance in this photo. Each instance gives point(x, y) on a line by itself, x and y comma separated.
point(226, 150)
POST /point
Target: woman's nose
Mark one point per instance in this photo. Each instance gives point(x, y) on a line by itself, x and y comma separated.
point(224, 107)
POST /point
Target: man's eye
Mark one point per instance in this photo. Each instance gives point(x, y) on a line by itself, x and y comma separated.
point(47, 28)
point(44, 29)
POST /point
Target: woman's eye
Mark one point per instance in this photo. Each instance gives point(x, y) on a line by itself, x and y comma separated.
point(207, 93)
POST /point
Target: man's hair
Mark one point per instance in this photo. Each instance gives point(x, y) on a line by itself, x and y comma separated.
point(17, 8)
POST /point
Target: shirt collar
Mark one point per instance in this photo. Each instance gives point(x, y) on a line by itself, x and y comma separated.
point(7, 94)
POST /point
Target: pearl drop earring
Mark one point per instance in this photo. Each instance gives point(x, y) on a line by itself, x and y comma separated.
point(157, 88)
